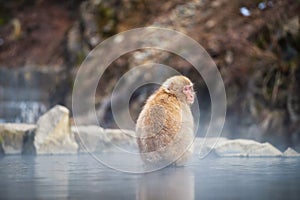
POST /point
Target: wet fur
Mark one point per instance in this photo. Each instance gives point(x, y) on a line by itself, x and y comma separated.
point(165, 126)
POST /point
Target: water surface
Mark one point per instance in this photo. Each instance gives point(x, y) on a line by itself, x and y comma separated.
point(82, 177)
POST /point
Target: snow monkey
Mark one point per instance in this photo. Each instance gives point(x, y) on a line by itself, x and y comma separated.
point(165, 126)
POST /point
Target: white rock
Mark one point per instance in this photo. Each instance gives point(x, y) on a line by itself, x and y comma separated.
point(97, 139)
point(208, 141)
point(245, 148)
point(11, 137)
point(203, 146)
point(121, 136)
point(290, 153)
point(53, 134)
point(89, 138)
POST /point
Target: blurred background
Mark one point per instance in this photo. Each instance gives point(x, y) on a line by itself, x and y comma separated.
point(254, 43)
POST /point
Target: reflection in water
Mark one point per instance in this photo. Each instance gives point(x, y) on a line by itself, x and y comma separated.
point(16, 178)
point(54, 174)
point(81, 177)
point(169, 183)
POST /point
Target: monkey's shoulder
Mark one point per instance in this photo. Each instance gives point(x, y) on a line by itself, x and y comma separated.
point(160, 113)
point(165, 98)
point(166, 105)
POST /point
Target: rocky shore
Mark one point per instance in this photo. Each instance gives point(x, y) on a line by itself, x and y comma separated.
point(52, 135)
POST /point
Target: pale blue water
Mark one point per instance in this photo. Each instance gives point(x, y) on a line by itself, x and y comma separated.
point(82, 177)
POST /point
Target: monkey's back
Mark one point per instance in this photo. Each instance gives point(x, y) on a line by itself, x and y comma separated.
point(158, 126)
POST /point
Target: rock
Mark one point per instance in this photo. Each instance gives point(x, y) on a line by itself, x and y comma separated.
point(89, 138)
point(53, 134)
point(122, 139)
point(203, 146)
point(290, 153)
point(247, 148)
point(97, 139)
point(208, 142)
point(11, 137)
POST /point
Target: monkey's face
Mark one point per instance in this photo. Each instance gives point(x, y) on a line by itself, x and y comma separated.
point(182, 87)
point(189, 93)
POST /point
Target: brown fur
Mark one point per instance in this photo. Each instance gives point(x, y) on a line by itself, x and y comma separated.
point(165, 125)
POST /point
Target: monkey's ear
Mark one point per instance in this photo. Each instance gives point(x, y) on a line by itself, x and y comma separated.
point(170, 86)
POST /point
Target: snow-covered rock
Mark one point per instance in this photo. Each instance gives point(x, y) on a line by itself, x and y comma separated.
point(290, 153)
point(245, 148)
point(12, 136)
point(53, 134)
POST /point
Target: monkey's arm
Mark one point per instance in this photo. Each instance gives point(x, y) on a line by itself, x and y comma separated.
point(151, 128)
point(160, 128)
point(156, 118)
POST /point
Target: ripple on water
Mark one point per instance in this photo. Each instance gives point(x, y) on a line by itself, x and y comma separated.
point(81, 176)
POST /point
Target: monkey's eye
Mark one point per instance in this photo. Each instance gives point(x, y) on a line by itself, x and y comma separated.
point(187, 88)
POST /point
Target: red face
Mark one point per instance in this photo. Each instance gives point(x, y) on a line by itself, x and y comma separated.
point(188, 91)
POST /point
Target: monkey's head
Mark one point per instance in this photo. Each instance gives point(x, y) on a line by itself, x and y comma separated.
point(182, 87)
